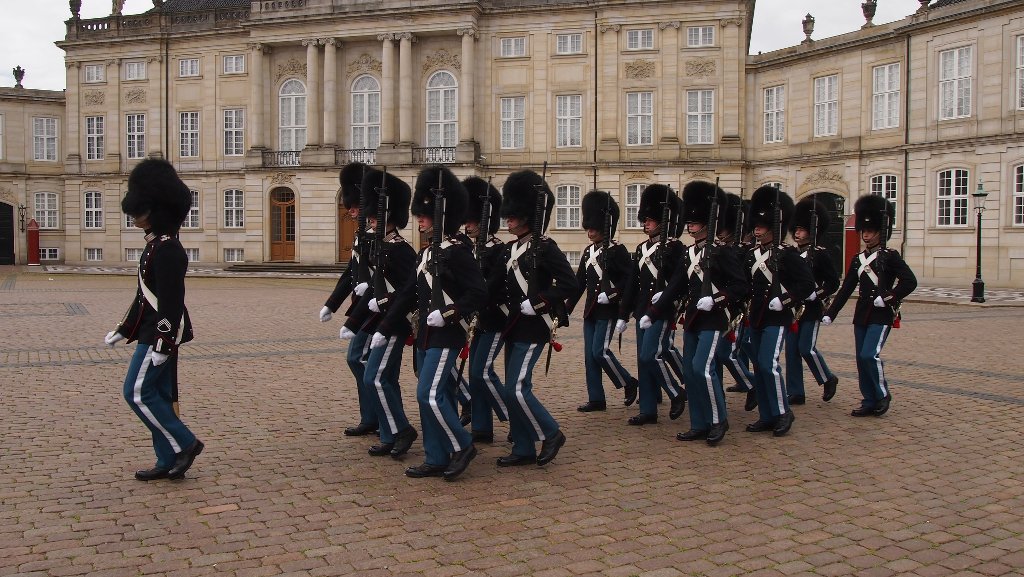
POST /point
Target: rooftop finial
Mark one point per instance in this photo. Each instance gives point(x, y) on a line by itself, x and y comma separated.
point(869, 7)
point(76, 8)
point(808, 23)
point(19, 73)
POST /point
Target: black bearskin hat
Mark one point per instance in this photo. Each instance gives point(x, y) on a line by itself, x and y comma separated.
point(803, 218)
point(454, 197)
point(154, 188)
point(477, 187)
point(728, 215)
point(762, 209)
point(594, 207)
point(697, 198)
point(519, 197)
point(351, 177)
point(651, 201)
point(398, 193)
point(871, 211)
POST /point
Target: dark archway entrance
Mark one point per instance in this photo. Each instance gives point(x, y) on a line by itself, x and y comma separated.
point(6, 234)
point(833, 240)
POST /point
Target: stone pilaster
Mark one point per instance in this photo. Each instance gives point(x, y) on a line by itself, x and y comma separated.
point(330, 91)
point(405, 119)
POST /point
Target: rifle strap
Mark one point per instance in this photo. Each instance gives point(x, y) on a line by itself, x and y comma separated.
point(647, 258)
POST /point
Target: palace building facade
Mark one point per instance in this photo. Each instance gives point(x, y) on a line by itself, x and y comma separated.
point(259, 103)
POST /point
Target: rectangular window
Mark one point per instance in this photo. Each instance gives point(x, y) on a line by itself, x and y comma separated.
point(826, 105)
point(633, 192)
point(46, 213)
point(94, 137)
point(234, 132)
point(513, 122)
point(234, 255)
point(93, 210)
point(569, 44)
point(234, 64)
point(700, 36)
point(955, 83)
point(132, 254)
point(884, 185)
point(774, 114)
point(885, 96)
point(952, 197)
point(188, 124)
point(569, 118)
point(1018, 195)
point(639, 118)
point(94, 254)
point(192, 220)
point(511, 47)
point(44, 138)
point(234, 208)
point(642, 39)
point(1020, 72)
point(567, 206)
point(135, 133)
point(573, 256)
point(188, 67)
point(135, 70)
point(700, 116)
point(192, 254)
point(129, 221)
point(49, 253)
point(95, 73)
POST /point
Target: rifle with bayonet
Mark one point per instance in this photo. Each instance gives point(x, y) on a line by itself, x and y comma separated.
point(363, 238)
point(482, 232)
point(557, 314)
point(380, 288)
point(437, 235)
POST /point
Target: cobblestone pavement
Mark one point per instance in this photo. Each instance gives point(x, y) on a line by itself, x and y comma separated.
point(934, 488)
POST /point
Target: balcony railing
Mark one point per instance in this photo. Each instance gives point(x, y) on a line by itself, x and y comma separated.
point(275, 158)
point(433, 155)
point(347, 155)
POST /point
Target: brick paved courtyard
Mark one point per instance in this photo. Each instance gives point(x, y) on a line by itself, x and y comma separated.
point(936, 487)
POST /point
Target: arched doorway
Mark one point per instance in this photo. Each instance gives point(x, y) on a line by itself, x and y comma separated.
point(346, 232)
point(282, 225)
point(833, 239)
point(6, 233)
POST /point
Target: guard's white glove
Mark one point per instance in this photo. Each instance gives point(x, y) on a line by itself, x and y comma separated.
point(434, 319)
point(826, 321)
point(325, 314)
point(360, 288)
point(644, 322)
point(345, 334)
point(705, 304)
point(775, 304)
point(159, 358)
point(113, 337)
point(879, 302)
point(377, 340)
point(620, 326)
point(602, 299)
point(656, 297)
point(812, 297)
point(527, 309)
point(372, 305)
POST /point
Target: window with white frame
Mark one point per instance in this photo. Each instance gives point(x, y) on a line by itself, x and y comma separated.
point(95, 73)
point(234, 64)
point(639, 118)
point(94, 254)
point(44, 138)
point(569, 43)
point(569, 120)
point(46, 212)
point(234, 255)
point(885, 96)
point(773, 184)
point(129, 221)
point(192, 220)
point(192, 254)
point(697, 36)
point(826, 105)
point(633, 192)
point(774, 114)
point(1018, 195)
point(188, 67)
point(135, 70)
point(234, 132)
point(642, 39)
point(132, 254)
point(511, 47)
point(567, 206)
point(1020, 72)
point(188, 133)
point(442, 110)
point(513, 122)
point(952, 197)
point(365, 113)
point(884, 185)
point(955, 83)
point(49, 253)
point(234, 208)
point(700, 116)
point(135, 135)
point(292, 107)
point(94, 126)
point(573, 256)
point(93, 205)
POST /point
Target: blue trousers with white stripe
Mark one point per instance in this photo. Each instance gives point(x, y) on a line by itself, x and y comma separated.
point(802, 347)
point(528, 420)
point(484, 384)
point(358, 350)
point(598, 358)
point(148, 390)
point(769, 384)
point(703, 383)
point(652, 346)
point(443, 434)
point(869, 341)
point(381, 379)
point(732, 356)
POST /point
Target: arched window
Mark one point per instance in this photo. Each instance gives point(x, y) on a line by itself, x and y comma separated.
point(442, 110)
point(292, 106)
point(365, 113)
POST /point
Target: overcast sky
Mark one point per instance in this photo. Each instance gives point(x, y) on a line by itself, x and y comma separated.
point(30, 27)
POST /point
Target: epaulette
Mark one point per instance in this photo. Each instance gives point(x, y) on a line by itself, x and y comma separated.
point(394, 237)
point(454, 240)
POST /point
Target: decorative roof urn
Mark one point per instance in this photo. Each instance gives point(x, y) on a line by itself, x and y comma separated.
point(808, 23)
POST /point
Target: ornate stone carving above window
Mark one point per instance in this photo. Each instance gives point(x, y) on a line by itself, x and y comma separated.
point(291, 68)
point(639, 175)
point(442, 59)
point(94, 97)
point(823, 175)
point(281, 178)
point(135, 96)
point(695, 174)
point(701, 68)
point(640, 69)
point(365, 63)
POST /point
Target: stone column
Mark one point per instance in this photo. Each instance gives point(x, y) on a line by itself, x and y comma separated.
point(387, 89)
point(74, 121)
point(312, 93)
point(733, 85)
point(330, 91)
point(115, 115)
point(405, 88)
point(610, 122)
point(467, 130)
point(256, 93)
point(668, 116)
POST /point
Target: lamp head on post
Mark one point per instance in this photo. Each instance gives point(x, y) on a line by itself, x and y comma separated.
point(980, 196)
point(978, 286)
point(22, 210)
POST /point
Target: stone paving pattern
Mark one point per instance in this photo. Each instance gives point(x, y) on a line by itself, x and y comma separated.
point(934, 488)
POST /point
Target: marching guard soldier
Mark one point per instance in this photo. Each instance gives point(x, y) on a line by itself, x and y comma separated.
point(661, 253)
point(537, 281)
point(883, 280)
point(709, 280)
point(445, 291)
point(779, 281)
point(730, 354)
point(810, 223)
point(602, 275)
